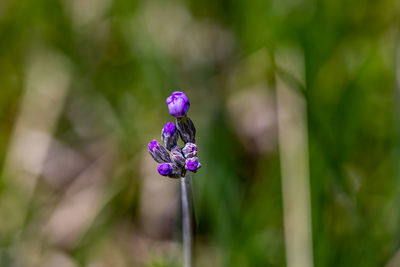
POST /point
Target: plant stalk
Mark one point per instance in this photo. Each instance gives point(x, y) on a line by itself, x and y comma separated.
point(187, 219)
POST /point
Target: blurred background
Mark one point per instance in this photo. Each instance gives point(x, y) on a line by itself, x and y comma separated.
point(297, 110)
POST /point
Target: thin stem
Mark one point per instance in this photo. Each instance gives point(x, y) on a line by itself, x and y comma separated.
point(187, 219)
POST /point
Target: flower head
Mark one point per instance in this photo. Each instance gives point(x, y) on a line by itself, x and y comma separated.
point(169, 135)
point(158, 152)
point(178, 104)
point(193, 164)
point(165, 169)
point(176, 163)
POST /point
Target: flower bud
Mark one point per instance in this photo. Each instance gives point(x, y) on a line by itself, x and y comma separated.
point(169, 135)
point(168, 169)
point(178, 104)
point(177, 158)
point(158, 152)
point(192, 164)
point(189, 150)
point(186, 129)
point(165, 169)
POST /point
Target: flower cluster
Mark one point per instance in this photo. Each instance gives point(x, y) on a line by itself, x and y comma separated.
point(179, 160)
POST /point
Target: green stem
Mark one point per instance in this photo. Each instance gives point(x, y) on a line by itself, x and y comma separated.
point(187, 219)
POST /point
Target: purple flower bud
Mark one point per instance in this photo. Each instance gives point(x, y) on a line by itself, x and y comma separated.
point(158, 152)
point(189, 150)
point(193, 164)
point(169, 135)
point(178, 104)
point(170, 170)
point(177, 158)
point(165, 169)
point(169, 128)
point(186, 129)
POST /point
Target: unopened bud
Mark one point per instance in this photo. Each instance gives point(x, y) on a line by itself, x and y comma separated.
point(169, 135)
point(165, 169)
point(170, 170)
point(193, 164)
point(158, 152)
point(186, 129)
point(178, 104)
point(189, 150)
point(177, 158)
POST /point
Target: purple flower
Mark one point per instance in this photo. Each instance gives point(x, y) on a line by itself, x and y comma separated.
point(169, 135)
point(165, 169)
point(193, 164)
point(189, 150)
point(176, 163)
point(178, 104)
point(158, 152)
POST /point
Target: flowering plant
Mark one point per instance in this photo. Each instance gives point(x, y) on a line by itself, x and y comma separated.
point(179, 161)
point(175, 164)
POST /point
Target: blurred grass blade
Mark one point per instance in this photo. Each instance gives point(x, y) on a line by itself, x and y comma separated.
point(293, 150)
point(47, 85)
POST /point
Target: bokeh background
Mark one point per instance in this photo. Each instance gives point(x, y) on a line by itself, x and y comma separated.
point(297, 109)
